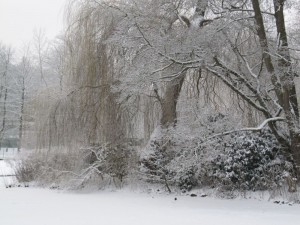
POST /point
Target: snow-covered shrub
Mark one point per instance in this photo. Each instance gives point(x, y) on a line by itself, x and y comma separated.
point(109, 160)
point(47, 169)
point(186, 179)
point(238, 161)
point(164, 166)
point(77, 168)
point(26, 171)
point(247, 161)
point(154, 165)
point(168, 160)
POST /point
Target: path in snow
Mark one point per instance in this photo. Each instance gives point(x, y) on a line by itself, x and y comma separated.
point(27, 206)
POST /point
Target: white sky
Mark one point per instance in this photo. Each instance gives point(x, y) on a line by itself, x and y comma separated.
point(19, 19)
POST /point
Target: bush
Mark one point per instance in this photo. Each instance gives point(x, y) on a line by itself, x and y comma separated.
point(167, 160)
point(154, 163)
point(187, 179)
point(241, 161)
point(109, 160)
point(248, 162)
point(92, 165)
point(46, 169)
point(25, 171)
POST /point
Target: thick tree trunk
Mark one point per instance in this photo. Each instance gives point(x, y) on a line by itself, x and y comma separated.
point(290, 104)
point(283, 77)
point(173, 88)
point(284, 62)
point(169, 102)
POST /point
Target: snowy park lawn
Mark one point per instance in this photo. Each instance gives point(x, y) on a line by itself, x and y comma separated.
point(7, 153)
point(6, 174)
point(30, 206)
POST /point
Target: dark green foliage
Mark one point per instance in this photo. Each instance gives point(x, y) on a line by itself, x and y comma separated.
point(188, 180)
point(242, 161)
point(155, 164)
point(250, 162)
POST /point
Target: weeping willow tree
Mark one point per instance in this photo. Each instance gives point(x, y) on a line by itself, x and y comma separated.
point(88, 110)
point(122, 79)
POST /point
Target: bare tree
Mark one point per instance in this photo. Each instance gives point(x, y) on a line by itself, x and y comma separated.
point(6, 54)
point(25, 69)
point(40, 44)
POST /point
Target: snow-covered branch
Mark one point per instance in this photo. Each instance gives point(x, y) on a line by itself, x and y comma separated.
point(254, 129)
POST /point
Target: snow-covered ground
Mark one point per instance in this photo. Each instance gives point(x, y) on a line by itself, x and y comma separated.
point(6, 174)
point(30, 206)
point(8, 153)
point(7, 156)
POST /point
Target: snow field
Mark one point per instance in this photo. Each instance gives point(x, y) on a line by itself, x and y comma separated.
point(29, 206)
point(6, 175)
point(8, 153)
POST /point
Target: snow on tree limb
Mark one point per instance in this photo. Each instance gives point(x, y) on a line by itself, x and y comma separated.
point(254, 129)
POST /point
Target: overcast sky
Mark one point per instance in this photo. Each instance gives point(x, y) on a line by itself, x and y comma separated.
point(19, 19)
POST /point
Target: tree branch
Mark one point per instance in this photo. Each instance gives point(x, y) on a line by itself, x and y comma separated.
point(254, 129)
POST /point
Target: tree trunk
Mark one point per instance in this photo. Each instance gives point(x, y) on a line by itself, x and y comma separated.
point(173, 88)
point(169, 102)
point(284, 62)
point(7, 62)
point(21, 114)
point(290, 104)
point(2, 131)
point(283, 77)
